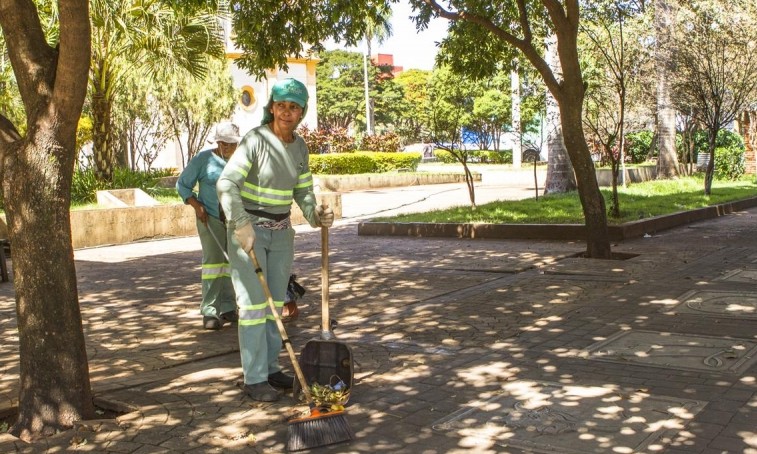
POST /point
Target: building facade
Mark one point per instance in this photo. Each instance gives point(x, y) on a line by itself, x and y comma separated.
point(253, 96)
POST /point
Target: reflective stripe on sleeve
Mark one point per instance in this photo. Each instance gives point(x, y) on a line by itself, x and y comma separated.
point(305, 180)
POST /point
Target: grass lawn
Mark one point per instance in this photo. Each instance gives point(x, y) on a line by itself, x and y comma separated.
point(637, 201)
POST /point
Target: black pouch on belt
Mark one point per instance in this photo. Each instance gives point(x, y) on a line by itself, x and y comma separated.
point(263, 214)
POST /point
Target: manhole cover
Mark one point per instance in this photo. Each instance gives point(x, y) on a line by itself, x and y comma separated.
point(555, 418)
point(742, 305)
point(676, 351)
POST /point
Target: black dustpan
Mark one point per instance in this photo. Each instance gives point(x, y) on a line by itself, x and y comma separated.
point(325, 360)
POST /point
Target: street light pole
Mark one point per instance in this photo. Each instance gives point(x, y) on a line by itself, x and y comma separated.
point(368, 119)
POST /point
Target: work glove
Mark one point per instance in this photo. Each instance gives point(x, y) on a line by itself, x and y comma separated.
point(245, 236)
point(325, 215)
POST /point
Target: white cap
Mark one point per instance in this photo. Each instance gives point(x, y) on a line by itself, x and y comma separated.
point(227, 132)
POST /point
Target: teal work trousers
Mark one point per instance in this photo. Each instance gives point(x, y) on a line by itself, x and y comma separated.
point(217, 289)
point(259, 338)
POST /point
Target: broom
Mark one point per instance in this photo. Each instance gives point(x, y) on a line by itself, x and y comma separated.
point(318, 428)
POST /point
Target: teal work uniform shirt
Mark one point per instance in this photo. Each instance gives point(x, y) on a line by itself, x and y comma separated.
point(203, 171)
point(264, 174)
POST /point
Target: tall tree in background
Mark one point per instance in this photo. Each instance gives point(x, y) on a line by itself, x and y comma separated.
point(664, 26)
point(717, 66)
point(340, 91)
point(37, 169)
point(414, 121)
point(136, 123)
point(484, 34)
point(190, 108)
point(607, 96)
point(340, 88)
point(380, 31)
point(146, 34)
point(492, 111)
point(450, 104)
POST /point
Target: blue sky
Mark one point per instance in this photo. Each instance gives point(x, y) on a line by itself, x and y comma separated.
point(410, 48)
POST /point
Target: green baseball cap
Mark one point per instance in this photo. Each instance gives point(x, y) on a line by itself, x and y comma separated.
point(291, 90)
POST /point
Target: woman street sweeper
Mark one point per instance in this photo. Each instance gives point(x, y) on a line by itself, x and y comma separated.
point(267, 173)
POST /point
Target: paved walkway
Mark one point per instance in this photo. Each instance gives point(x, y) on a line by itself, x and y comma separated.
point(459, 346)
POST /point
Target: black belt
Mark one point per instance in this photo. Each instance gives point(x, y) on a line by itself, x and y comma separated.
point(275, 217)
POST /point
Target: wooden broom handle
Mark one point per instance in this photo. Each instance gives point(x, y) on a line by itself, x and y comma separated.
point(326, 333)
point(282, 330)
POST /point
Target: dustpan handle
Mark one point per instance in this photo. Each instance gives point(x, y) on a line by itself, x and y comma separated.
point(282, 330)
point(326, 333)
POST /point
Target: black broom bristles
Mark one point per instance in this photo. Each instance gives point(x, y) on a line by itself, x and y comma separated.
point(318, 430)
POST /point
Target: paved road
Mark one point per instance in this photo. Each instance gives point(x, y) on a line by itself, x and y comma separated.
point(497, 183)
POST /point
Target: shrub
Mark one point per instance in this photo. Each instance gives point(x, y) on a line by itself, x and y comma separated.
point(386, 162)
point(385, 143)
point(639, 145)
point(444, 156)
point(485, 156)
point(341, 164)
point(493, 157)
point(84, 185)
point(729, 163)
point(332, 140)
point(362, 162)
point(725, 139)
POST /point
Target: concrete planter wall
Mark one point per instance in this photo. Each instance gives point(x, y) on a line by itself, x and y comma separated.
point(99, 227)
point(339, 183)
point(633, 175)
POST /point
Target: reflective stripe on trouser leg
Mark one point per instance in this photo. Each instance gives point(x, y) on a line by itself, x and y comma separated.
point(217, 290)
point(259, 338)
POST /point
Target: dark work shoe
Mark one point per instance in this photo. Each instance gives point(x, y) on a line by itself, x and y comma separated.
point(281, 380)
point(231, 316)
point(211, 323)
point(262, 392)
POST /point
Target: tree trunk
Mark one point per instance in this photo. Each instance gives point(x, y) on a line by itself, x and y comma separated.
point(368, 106)
point(667, 160)
point(595, 216)
point(54, 387)
point(101, 137)
point(560, 176)
point(54, 383)
point(471, 185)
point(571, 99)
point(710, 171)
point(516, 128)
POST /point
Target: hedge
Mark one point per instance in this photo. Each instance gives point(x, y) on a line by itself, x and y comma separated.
point(362, 162)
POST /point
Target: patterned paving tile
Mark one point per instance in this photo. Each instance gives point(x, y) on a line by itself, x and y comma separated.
point(721, 303)
point(570, 419)
point(676, 351)
point(747, 276)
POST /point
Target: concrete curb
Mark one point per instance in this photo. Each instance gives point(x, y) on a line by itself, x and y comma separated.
point(341, 183)
point(550, 231)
